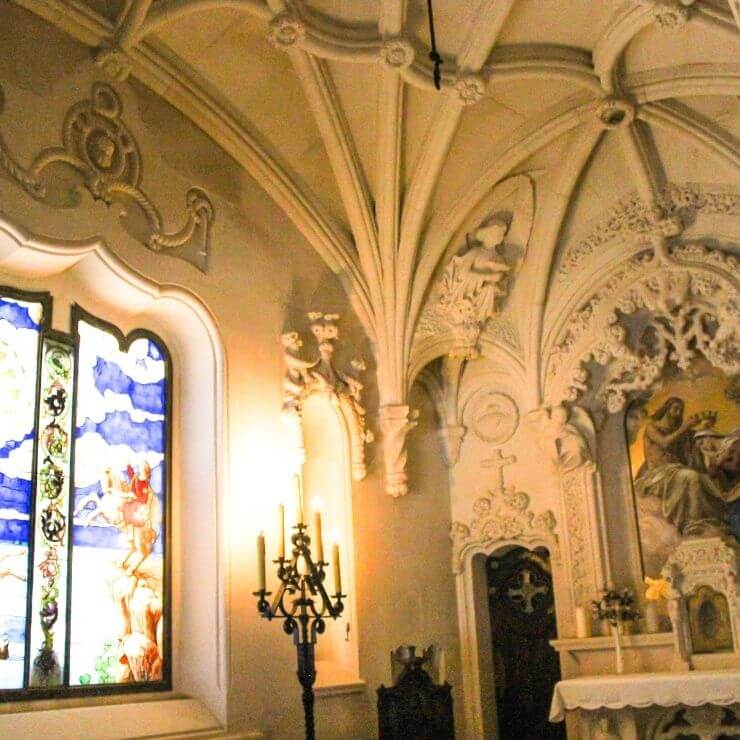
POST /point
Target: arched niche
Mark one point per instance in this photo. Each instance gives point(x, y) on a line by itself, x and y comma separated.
point(89, 273)
point(327, 482)
point(474, 622)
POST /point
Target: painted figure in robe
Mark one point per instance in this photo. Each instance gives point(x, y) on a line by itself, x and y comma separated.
point(674, 471)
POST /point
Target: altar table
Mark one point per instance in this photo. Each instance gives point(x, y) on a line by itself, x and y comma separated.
point(594, 694)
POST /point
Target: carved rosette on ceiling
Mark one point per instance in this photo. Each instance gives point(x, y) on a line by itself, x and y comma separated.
point(671, 14)
point(100, 149)
point(305, 377)
point(286, 30)
point(502, 516)
point(470, 89)
point(397, 53)
point(689, 301)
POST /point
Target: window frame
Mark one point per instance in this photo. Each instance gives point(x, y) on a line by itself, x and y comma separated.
point(124, 341)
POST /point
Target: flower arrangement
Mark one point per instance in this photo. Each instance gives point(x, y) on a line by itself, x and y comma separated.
point(657, 588)
point(615, 606)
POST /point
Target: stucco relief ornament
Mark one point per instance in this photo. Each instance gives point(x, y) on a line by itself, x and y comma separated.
point(502, 515)
point(397, 53)
point(470, 89)
point(102, 151)
point(473, 286)
point(689, 300)
point(634, 219)
point(286, 30)
point(304, 377)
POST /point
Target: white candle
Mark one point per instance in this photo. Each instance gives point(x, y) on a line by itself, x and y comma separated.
point(299, 499)
point(652, 618)
point(583, 622)
point(337, 569)
point(281, 531)
point(261, 561)
point(319, 540)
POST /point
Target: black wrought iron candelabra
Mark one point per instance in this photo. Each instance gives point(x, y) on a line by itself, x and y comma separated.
point(303, 602)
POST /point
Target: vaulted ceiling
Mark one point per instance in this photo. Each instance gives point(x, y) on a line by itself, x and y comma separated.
point(330, 105)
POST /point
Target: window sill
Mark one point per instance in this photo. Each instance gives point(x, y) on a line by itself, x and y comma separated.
point(339, 689)
point(141, 719)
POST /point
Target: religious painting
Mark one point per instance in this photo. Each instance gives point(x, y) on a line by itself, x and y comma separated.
point(84, 471)
point(684, 446)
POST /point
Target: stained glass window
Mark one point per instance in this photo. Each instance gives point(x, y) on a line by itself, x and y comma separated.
point(84, 471)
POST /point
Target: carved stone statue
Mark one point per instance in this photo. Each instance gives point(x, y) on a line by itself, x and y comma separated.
point(565, 435)
point(472, 286)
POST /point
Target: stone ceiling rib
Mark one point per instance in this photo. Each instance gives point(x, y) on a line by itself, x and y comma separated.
point(389, 159)
point(389, 252)
point(476, 49)
point(327, 109)
point(546, 235)
point(319, 228)
point(684, 122)
point(686, 80)
point(644, 175)
point(541, 63)
point(536, 135)
point(169, 11)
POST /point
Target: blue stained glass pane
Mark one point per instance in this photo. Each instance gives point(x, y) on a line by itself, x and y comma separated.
point(19, 340)
point(119, 500)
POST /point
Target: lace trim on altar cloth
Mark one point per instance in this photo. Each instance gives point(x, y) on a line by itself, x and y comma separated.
point(694, 689)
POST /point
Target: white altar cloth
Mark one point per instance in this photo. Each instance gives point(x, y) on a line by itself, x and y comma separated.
point(691, 688)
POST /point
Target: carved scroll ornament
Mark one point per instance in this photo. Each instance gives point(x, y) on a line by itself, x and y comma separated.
point(502, 515)
point(304, 377)
point(690, 301)
point(102, 151)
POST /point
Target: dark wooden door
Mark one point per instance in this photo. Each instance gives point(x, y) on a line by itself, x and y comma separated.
point(522, 622)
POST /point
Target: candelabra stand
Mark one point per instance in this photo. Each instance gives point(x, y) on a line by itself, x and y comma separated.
point(303, 602)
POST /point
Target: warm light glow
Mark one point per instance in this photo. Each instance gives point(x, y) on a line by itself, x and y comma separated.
point(318, 503)
point(334, 537)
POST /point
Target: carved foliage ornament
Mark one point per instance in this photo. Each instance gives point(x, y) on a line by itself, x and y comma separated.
point(502, 515)
point(304, 377)
point(99, 147)
point(691, 308)
point(634, 219)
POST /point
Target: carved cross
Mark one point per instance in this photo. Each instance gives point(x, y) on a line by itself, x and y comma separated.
point(499, 462)
point(526, 592)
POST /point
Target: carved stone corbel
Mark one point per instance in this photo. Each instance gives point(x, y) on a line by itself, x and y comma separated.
point(396, 421)
point(304, 377)
point(103, 152)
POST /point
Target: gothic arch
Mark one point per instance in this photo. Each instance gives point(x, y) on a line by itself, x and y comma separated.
point(89, 272)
